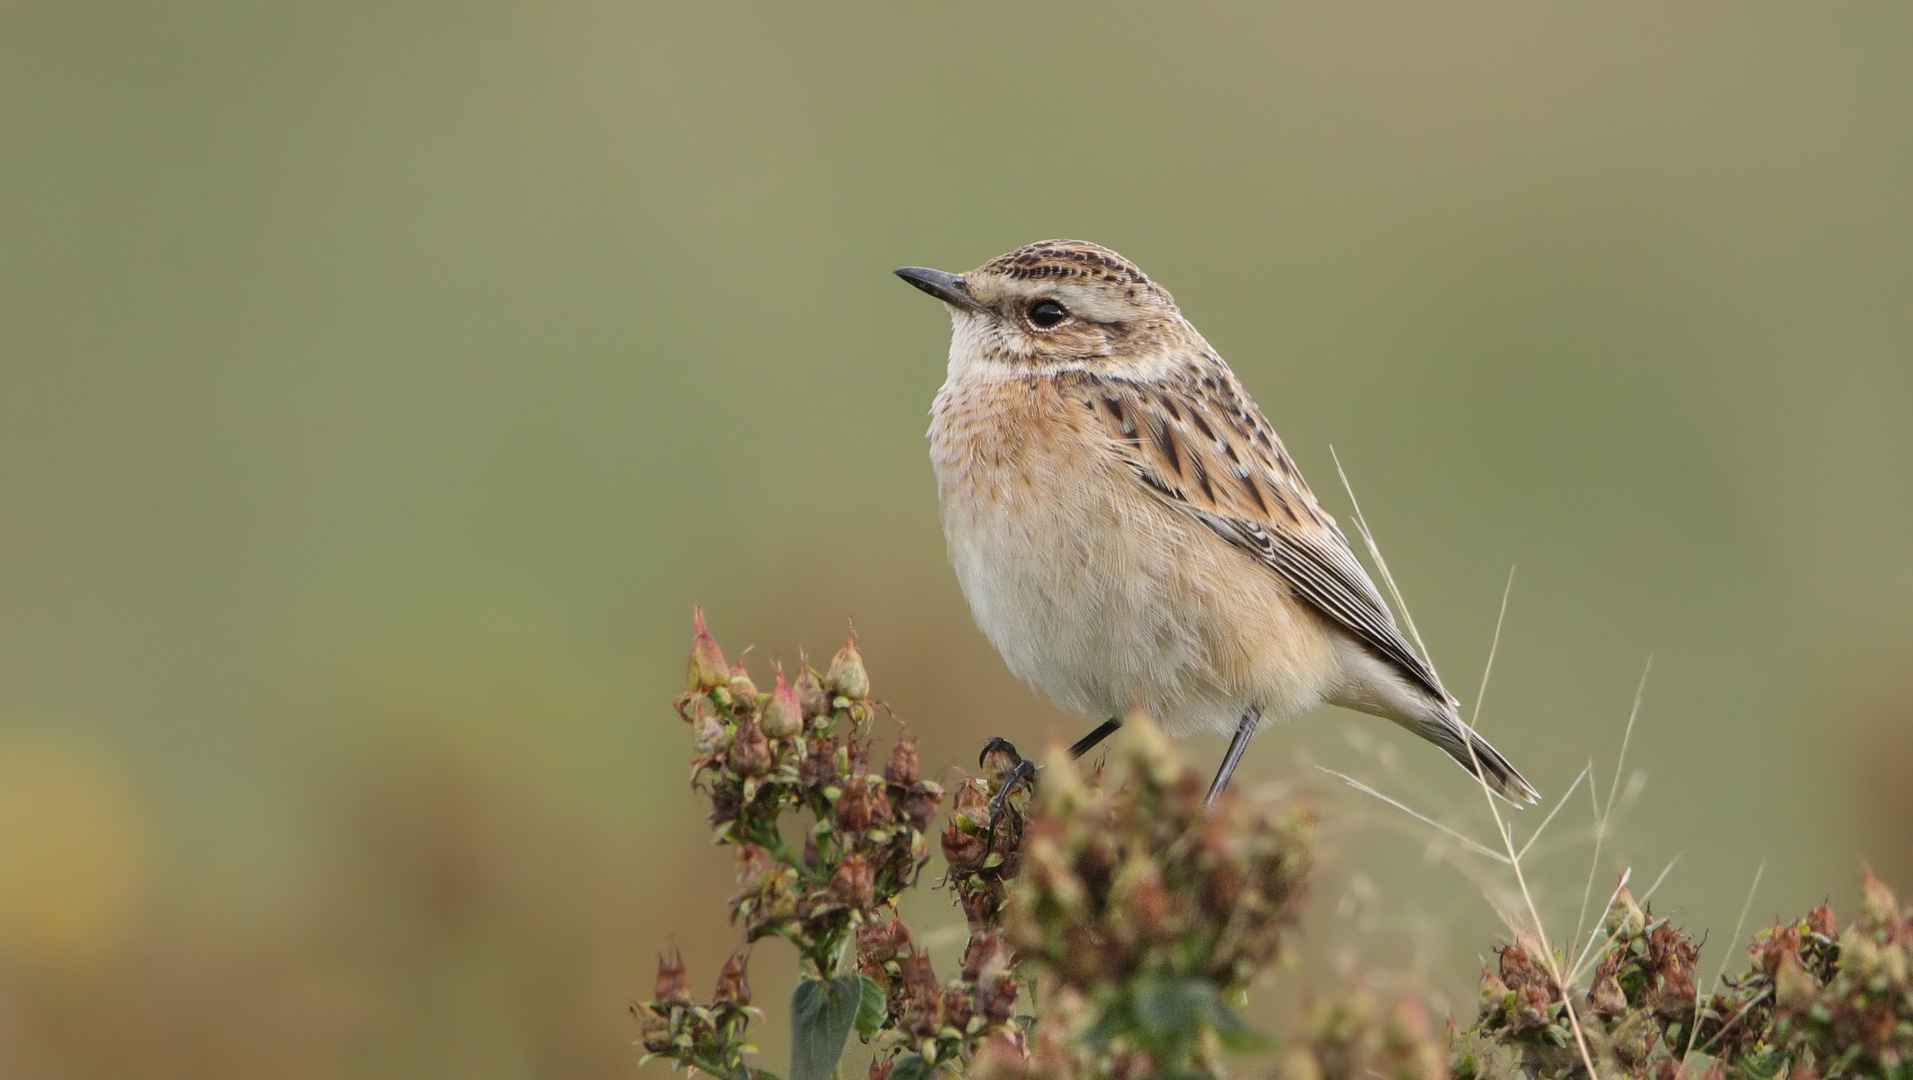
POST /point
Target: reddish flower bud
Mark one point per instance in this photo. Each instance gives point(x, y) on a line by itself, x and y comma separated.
point(920, 805)
point(877, 942)
point(847, 675)
point(903, 769)
point(880, 1067)
point(810, 691)
point(1879, 909)
point(783, 714)
point(963, 850)
point(707, 670)
point(670, 989)
point(1605, 995)
point(860, 806)
point(1820, 921)
point(996, 997)
point(750, 751)
point(733, 987)
point(918, 976)
point(984, 955)
point(742, 688)
point(972, 803)
point(853, 885)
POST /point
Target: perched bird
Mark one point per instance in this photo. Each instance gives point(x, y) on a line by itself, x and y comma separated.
point(1129, 531)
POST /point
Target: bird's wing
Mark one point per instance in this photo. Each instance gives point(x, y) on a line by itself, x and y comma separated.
point(1200, 444)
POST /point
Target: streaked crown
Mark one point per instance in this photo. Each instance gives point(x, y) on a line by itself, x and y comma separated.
point(1074, 260)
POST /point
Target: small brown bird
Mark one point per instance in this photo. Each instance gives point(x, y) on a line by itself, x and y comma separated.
point(1129, 531)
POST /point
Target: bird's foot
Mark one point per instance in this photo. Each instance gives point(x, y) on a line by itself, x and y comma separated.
point(1012, 772)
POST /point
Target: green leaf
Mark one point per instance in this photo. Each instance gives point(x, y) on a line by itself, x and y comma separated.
point(911, 1067)
point(1171, 1012)
point(822, 1012)
point(871, 1007)
point(1165, 1008)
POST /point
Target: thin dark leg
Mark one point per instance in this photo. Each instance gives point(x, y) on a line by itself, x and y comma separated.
point(1237, 745)
point(1023, 771)
point(1017, 771)
point(1088, 742)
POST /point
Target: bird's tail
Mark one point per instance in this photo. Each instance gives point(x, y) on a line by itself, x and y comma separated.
point(1474, 753)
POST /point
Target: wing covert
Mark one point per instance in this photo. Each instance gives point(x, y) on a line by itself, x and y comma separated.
point(1205, 450)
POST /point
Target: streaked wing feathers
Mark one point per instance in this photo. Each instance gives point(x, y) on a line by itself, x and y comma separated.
point(1205, 449)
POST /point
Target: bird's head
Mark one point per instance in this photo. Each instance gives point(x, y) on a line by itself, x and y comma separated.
point(1052, 306)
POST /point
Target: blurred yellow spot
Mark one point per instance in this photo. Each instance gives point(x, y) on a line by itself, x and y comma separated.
point(72, 850)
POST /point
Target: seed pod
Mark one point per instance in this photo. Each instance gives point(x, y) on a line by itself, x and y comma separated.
point(963, 850)
point(810, 691)
point(1879, 909)
point(733, 987)
point(1794, 989)
point(920, 805)
point(740, 684)
point(876, 942)
point(670, 985)
point(1625, 919)
point(847, 675)
point(712, 737)
point(853, 885)
point(783, 713)
point(706, 670)
point(903, 769)
point(856, 807)
point(750, 751)
point(818, 770)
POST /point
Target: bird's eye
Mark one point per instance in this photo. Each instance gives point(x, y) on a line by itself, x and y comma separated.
point(1047, 313)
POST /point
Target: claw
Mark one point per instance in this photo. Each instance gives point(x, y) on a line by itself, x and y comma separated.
point(1012, 770)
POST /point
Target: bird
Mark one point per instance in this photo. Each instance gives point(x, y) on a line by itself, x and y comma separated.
point(1131, 534)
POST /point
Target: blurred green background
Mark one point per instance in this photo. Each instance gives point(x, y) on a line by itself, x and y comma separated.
point(382, 384)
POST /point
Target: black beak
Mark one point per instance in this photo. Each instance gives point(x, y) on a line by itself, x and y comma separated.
point(946, 287)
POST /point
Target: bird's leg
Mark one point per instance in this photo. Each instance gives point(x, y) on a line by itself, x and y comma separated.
point(1088, 742)
point(1237, 744)
point(1012, 771)
point(1019, 771)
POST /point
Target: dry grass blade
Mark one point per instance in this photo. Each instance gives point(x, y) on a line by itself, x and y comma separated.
point(1472, 845)
point(1592, 955)
point(1720, 975)
point(1513, 859)
point(1381, 564)
point(1545, 822)
point(1602, 814)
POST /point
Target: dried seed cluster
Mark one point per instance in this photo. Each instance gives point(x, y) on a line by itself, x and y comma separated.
point(709, 1036)
point(806, 747)
point(1149, 909)
point(803, 746)
point(1816, 1003)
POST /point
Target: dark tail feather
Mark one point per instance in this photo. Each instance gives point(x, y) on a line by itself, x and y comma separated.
point(1457, 740)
